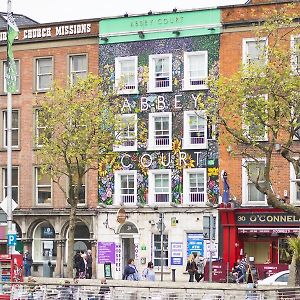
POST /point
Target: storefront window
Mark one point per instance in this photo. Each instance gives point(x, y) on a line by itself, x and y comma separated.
point(44, 244)
point(285, 255)
point(157, 250)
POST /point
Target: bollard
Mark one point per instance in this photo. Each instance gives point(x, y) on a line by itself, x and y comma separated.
point(173, 274)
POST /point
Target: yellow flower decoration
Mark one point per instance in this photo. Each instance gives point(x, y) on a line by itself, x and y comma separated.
point(102, 168)
point(176, 146)
point(190, 163)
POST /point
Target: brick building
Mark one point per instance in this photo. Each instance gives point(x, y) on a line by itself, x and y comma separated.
point(252, 226)
point(44, 53)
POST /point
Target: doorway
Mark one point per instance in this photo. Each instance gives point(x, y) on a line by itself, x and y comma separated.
point(128, 250)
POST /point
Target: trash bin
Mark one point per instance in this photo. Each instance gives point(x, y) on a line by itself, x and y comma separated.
point(48, 269)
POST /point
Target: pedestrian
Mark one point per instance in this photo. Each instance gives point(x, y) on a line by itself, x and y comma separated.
point(191, 267)
point(243, 265)
point(130, 271)
point(104, 289)
point(27, 260)
point(200, 263)
point(148, 273)
point(89, 263)
point(76, 261)
point(82, 266)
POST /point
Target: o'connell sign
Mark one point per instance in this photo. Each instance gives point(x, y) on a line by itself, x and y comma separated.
point(266, 219)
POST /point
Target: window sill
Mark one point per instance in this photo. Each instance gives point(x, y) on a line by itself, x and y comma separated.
point(153, 148)
point(126, 92)
point(5, 94)
point(249, 204)
point(13, 149)
point(190, 146)
point(124, 149)
point(169, 90)
point(195, 88)
point(40, 91)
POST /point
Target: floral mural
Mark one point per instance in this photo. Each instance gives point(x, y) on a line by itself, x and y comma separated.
point(143, 160)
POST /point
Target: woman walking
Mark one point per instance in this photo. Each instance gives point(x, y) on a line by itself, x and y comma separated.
point(191, 267)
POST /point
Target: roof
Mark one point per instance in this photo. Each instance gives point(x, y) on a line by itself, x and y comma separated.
point(21, 20)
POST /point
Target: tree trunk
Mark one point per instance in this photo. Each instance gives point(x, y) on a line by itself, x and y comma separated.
point(72, 223)
point(292, 275)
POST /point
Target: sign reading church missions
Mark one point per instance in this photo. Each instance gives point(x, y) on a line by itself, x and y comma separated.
point(266, 218)
point(51, 31)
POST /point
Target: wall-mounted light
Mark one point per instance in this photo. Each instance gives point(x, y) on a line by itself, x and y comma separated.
point(150, 12)
point(152, 222)
point(174, 10)
point(126, 15)
point(176, 32)
point(104, 38)
point(141, 34)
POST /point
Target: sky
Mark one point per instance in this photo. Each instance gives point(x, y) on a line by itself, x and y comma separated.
point(44, 11)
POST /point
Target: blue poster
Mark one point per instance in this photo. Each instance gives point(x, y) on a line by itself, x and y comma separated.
point(195, 243)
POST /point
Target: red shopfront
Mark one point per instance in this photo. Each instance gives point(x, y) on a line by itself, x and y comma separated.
point(259, 232)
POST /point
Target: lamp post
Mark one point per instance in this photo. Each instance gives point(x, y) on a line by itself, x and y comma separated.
point(211, 229)
point(161, 228)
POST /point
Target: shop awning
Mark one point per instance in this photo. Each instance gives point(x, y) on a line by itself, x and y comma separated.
point(268, 230)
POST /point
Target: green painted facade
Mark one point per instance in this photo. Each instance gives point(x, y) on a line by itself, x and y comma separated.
point(160, 26)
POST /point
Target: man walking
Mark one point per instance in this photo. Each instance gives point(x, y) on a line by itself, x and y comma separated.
point(27, 259)
point(89, 263)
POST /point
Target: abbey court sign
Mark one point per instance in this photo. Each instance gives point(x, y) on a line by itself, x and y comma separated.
point(266, 218)
point(51, 31)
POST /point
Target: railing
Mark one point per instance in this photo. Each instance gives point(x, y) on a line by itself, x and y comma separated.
point(196, 197)
point(128, 143)
point(125, 290)
point(162, 82)
point(128, 198)
point(197, 140)
point(162, 141)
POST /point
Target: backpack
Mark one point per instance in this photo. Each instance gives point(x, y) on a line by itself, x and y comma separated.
point(200, 266)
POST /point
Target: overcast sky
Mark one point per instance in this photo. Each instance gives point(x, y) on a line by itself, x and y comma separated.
point(62, 10)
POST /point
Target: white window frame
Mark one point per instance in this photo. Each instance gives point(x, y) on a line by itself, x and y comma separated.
point(74, 73)
point(187, 79)
point(245, 48)
point(4, 186)
point(17, 62)
point(151, 87)
point(262, 138)
point(4, 116)
point(129, 147)
point(293, 187)
point(245, 200)
point(151, 137)
point(186, 143)
point(118, 74)
point(37, 127)
point(37, 186)
point(157, 268)
point(39, 75)
point(151, 181)
point(186, 185)
point(295, 66)
point(117, 195)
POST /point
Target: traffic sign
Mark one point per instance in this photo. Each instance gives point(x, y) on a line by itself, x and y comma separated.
point(11, 239)
point(4, 205)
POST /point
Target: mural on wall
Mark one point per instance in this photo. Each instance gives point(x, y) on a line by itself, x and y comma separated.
point(144, 103)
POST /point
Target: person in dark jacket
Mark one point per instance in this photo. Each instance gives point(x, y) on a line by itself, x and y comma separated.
point(130, 272)
point(89, 263)
point(191, 267)
point(76, 259)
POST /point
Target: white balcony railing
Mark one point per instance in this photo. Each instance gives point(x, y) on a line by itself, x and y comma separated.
point(128, 198)
point(162, 82)
point(162, 141)
point(196, 197)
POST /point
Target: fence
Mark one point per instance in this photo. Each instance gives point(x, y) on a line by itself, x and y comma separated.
point(147, 291)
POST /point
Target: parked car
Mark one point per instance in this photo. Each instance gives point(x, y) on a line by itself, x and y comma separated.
point(280, 278)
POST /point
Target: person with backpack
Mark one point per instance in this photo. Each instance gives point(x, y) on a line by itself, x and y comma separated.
point(148, 273)
point(130, 271)
point(200, 263)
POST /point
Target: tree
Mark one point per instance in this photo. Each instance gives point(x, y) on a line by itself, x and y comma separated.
point(79, 126)
point(257, 108)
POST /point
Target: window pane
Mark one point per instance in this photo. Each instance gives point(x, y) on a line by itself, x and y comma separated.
point(44, 194)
